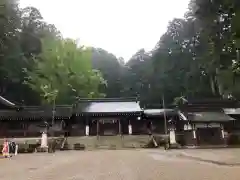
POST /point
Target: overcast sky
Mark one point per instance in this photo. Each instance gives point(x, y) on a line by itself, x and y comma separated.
point(121, 27)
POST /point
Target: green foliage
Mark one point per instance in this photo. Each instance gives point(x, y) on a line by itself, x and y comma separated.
point(111, 69)
point(198, 56)
point(62, 72)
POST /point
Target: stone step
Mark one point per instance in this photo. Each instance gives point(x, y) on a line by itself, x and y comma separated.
point(88, 142)
point(93, 142)
point(108, 142)
point(136, 141)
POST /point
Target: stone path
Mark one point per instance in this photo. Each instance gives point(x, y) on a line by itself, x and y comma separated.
point(223, 156)
point(112, 165)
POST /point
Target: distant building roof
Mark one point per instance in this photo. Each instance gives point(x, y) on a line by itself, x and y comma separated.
point(4, 103)
point(61, 111)
point(209, 103)
point(36, 112)
point(18, 115)
point(124, 99)
point(208, 117)
point(159, 112)
point(232, 111)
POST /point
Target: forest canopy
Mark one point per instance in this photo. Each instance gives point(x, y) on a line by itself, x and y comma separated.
point(198, 56)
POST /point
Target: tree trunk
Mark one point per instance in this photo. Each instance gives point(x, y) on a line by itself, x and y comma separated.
point(212, 83)
point(219, 83)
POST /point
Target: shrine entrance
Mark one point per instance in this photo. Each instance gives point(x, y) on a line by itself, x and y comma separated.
point(209, 136)
point(109, 126)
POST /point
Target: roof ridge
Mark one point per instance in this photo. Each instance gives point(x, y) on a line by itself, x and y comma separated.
point(129, 99)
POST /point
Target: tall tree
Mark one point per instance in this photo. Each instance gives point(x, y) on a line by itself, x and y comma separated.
point(111, 69)
point(63, 73)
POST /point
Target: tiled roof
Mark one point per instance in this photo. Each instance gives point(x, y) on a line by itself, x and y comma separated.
point(108, 106)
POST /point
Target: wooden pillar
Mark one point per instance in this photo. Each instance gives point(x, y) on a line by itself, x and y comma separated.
point(97, 128)
point(119, 127)
point(224, 139)
point(194, 135)
point(150, 127)
point(222, 131)
point(129, 127)
point(87, 127)
point(25, 129)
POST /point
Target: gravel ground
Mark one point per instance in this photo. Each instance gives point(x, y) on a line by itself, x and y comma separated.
point(112, 165)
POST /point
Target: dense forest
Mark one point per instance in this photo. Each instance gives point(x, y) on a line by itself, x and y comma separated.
point(197, 57)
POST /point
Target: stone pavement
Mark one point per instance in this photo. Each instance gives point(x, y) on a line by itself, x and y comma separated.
point(218, 156)
point(112, 165)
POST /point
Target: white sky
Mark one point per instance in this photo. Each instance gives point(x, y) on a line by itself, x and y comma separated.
point(121, 27)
